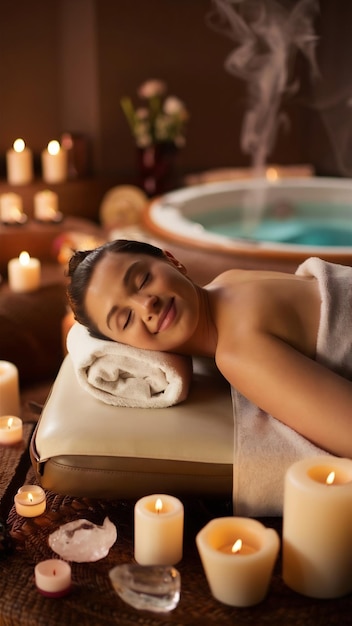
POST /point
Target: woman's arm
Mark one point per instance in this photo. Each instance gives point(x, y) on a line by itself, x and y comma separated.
point(291, 387)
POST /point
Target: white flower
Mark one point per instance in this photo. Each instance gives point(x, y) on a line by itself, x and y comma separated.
point(173, 106)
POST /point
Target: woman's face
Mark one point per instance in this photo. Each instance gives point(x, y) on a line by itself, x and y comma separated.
point(143, 301)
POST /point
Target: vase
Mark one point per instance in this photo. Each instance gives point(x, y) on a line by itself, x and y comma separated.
point(155, 167)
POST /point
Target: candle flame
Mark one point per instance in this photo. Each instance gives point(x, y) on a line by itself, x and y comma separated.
point(18, 145)
point(330, 478)
point(24, 258)
point(30, 497)
point(271, 174)
point(9, 422)
point(53, 147)
point(237, 546)
point(159, 505)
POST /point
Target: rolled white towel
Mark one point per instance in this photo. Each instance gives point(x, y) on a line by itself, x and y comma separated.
point(125, 376)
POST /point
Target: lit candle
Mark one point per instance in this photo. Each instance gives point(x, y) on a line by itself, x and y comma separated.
point(317, 527)
point(238, 556)
point(46, 206)
point(11, 430)
point(53, 578)
point(30, 501)
point(158, 530)
point(19, 164)
point(54, 163)
point(24, 273)
point(11, 209)
point(9, 389)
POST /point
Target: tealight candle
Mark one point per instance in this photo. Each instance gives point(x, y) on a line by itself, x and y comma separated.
point(24, 273)
point(11, 430)
point(317, 527)
point(54, 163)
point(30, 501)
point(9, 389)
point(19, 164)
point(46, 206)
point(11, 209)
point(53, 578)
point(158, 530)
point(238, 556)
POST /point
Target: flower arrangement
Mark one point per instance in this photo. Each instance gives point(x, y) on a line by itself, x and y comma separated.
point(162, 119)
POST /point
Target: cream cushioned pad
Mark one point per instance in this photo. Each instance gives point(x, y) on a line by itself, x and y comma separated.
point(84, 447)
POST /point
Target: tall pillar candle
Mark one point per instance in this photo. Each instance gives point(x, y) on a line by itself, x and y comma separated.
point(54, 163)
point(19, 164)
point(158, 530)
point(24, 273)
point(317, 527)
point(9, 389)
point(238, 555)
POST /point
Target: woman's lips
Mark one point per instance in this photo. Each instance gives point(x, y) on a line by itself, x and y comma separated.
point(167, 316)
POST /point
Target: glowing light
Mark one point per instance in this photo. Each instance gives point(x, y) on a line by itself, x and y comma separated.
point(330, 478)
point(158, 505)
point(54, 147)
point(24, 258)
point(237, 546)
point(18, 145)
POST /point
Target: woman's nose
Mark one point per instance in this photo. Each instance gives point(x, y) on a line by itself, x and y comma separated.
point(146, 304)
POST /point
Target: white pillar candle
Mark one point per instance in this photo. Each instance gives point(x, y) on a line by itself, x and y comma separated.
point(53, 578)
point(24, 273)
point(54, 163)
point(11, 208)
point(46, 205)
point(158, 530)
point(19, 164)
point(11, 430)
point(238, 556)
point(9, 389)
point(30, 501)
point(317, 527)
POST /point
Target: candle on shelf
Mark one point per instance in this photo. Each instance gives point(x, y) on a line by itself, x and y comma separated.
point(11, 209)
point(19, 164)
point(158, 530)
point(54, 163)
point(238, 556)
point(9, 389)
point(46, 205)
point(317, 527)
point(30, 501)
point(53, 578)
point(24, 273)
point(11, 430)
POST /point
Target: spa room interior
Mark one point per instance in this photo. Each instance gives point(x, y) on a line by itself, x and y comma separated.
point(220, 131)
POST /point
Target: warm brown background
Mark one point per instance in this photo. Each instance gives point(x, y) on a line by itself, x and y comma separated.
point(65, 64)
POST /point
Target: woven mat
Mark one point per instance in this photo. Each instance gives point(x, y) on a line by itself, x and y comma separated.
point(93, 602)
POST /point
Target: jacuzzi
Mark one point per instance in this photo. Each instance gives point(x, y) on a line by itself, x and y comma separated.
point(288, 218)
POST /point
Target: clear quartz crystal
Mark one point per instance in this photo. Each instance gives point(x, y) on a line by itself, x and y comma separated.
point(82, 541)
point(149, 587)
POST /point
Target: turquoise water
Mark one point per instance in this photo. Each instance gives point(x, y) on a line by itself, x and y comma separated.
point(323, 224)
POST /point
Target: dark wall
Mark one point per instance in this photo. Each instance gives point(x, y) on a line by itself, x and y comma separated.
point(65, 64)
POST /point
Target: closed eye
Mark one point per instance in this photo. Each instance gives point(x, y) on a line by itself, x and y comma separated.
point(145, 280)
point(128, 319)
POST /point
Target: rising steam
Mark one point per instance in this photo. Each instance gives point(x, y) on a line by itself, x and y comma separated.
point(267, 35)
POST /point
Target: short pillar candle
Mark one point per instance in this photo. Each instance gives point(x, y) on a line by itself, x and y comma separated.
point(30, 501)
point(158, 530)
point(9, 389)
point(46, 206)
point(238, 557)
point(24, 273)
point(11, 430)
point(317, 527)
point(53, 578)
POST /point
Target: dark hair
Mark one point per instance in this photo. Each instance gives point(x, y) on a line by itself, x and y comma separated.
point(80, 269)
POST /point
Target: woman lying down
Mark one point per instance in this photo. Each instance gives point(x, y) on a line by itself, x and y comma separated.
point(282, 340)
